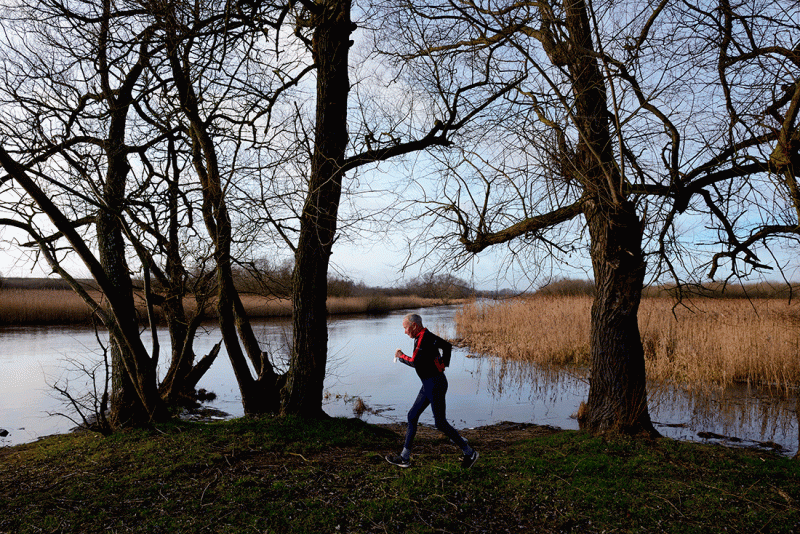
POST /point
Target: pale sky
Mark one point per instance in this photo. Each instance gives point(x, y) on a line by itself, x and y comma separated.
point(376, 263)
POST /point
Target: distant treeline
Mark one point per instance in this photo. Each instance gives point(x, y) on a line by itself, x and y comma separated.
point(264, 293)
point(570, 287)
point(448, 287)
point(263, 278)
point(276, 282)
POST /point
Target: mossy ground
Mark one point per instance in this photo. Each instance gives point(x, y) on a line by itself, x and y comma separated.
point(292, 475)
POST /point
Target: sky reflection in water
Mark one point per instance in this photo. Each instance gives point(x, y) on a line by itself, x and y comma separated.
point(481, 391)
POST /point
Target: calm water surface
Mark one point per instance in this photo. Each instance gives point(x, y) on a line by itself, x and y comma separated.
point(361, 350)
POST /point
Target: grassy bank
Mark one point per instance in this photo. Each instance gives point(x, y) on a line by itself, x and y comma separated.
point(713, 342)
point(62, 306)
point(287, 475)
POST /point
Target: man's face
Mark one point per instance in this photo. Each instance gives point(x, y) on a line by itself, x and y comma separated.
point(410, 328)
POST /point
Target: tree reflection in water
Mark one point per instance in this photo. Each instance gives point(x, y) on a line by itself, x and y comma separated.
point(737, 416)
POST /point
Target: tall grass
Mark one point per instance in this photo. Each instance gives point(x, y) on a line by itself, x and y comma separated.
point(722, 342)
point(713, 342)
point(546, 330)
point(42, 306)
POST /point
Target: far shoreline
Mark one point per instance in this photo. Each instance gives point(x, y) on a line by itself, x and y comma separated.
point(38, 306)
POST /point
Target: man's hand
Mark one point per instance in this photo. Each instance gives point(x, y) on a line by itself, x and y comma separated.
point(397, 354)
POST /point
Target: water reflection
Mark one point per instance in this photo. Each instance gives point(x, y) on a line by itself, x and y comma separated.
point(737, 416)
point(482, 390)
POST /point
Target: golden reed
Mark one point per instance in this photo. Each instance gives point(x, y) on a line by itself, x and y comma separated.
point(42, 306)
point(706, 342)
point(61, 306)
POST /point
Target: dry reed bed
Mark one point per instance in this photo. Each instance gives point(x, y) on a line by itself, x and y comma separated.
point(717, 342)
point(258, 306)
point(56, 306)
point(42, 306)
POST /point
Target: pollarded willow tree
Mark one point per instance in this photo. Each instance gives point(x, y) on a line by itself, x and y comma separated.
point(636, 121)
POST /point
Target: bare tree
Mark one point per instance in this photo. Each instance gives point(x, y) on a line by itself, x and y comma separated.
point(77, 89)
point(631, 119)
point(750, 190)
point(90, 156)
point(335, 153)
point(305, 215)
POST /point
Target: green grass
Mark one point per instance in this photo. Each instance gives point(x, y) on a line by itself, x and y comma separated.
point(293, 475)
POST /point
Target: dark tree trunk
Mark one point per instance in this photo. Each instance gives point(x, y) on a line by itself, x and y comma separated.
point(178, 384)
point(134, 394)
point(127, 408)
point(134, 398)
point(260, 394)
point(303, 391)
point(617, 393)
point(175, 385)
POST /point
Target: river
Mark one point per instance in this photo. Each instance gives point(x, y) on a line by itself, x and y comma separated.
point(361, 366)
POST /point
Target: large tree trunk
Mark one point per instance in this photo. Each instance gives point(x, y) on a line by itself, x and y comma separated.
point(617, 393)
point(126, 406)
point(303, 391)
point(134, 397)
point(133, 367)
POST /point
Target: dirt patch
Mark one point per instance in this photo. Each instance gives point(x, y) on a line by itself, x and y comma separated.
point(429, 445)
point(431, 441)
point(498, 433)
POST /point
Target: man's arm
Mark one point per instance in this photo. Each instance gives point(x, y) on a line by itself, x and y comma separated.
point(405, 358)
point(441, 359)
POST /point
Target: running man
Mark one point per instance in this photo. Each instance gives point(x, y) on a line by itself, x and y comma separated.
point(429, 363)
